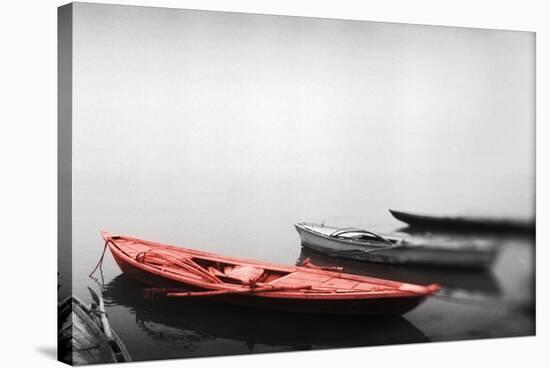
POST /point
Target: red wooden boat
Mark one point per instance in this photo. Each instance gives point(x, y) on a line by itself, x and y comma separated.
point(182, 273)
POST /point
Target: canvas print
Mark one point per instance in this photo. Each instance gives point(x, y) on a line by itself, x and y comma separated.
point(237, 183)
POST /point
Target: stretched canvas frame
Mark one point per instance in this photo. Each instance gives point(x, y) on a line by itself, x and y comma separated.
point(74, 130)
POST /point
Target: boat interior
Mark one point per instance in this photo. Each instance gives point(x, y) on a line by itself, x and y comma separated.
point(350, 233)
point(230, 272)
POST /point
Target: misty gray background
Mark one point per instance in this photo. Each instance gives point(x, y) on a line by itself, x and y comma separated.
point(219, 131)
point(225, 127)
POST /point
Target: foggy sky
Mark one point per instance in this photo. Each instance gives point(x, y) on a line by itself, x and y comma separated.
point(432, 118)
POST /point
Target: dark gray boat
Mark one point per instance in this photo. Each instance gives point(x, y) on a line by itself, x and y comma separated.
point(464, 223)
point(84, 334)
point(363, 245)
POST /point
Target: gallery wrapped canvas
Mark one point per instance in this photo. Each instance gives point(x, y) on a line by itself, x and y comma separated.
point(235, 183)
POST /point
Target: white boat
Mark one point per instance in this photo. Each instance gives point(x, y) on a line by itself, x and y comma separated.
point(364, 245)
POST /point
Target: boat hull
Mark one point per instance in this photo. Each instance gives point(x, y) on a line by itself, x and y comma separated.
point(82, 340)
point(391, 306)
point(463, 223)
point(421, 255)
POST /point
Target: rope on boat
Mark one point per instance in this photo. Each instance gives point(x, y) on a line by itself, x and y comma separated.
point(152, 293)
point(185, 263)
point(100, 262)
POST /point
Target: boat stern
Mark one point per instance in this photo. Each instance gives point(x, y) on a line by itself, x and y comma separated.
point(424, 290)
point(301, 228)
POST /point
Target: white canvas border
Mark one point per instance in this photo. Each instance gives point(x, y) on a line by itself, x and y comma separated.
point(28, 155)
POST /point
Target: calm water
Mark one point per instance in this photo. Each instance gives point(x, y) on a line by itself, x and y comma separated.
point(493, 303)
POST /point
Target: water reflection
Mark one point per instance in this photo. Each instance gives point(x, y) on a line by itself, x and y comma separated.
point(495, 302)
point(469, 233)
point(189, 323)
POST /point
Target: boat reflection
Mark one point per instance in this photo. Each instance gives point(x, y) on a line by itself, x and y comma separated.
point(187, 323)
point(472, 281)
point(469, 233)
